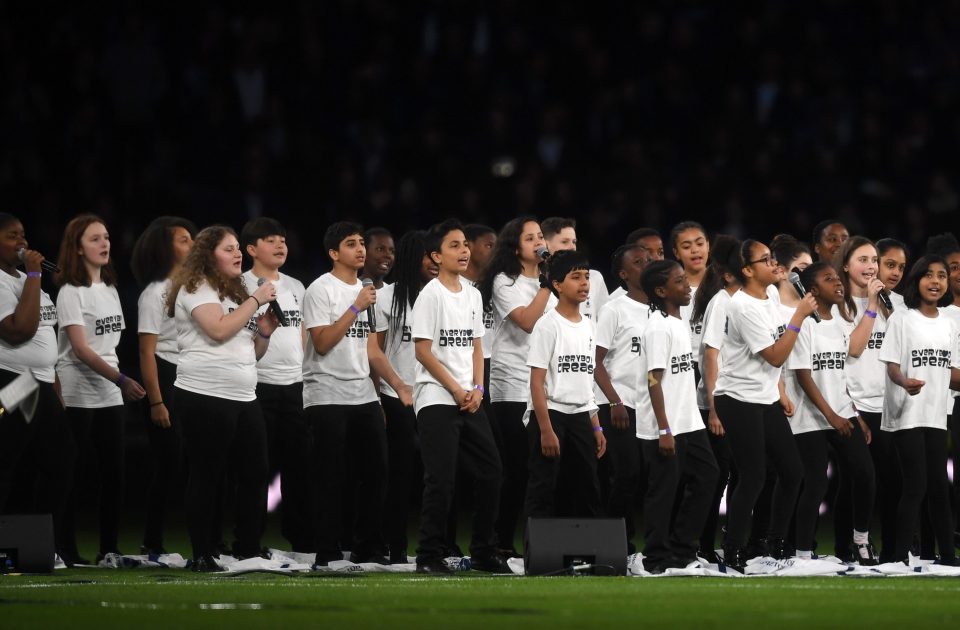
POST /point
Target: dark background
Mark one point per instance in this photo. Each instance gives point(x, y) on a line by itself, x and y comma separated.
point(753, 118)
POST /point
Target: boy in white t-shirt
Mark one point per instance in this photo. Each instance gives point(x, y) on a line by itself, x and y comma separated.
point(564, 422)
point(561, 235)
point(280, 380)
point(454, 430)
point(340, 404)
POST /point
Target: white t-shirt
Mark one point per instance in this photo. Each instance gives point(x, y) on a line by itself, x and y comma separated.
point(866, 374)
point(714, 325)
point(597, 297)
point(226, 369)
point(666, 346)
point(695, 329)
point(509, 374)
point(952, 312)
point(39, 353)
point(97, 309)
point(925, 348)
point(897, 300)
point(152, 319)
point(282, 364)
point(617, 293)
point(567, 350)
point(790, 385)
point(752, 325)
point(620, 330)
point(399, 347)
point(342, 376)
point(821, 348)
point(453, 322)
point(489, 324)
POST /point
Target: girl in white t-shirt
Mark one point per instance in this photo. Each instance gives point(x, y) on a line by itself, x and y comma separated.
point(865, 319)
point(412, 270)
point(825, 416)
point(691, 248)
point(923, 360)
point(157, 256)
point(516, 292)
point(28, 345)
point(892, 262)
point(667, 409)
point(215, 390)
point(91, 384)
point(747, 400)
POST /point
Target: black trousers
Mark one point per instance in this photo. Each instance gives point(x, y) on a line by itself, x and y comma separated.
point(219, 434)
point(450, 440)
point(854, 457)
point(886, 466)
point(288, 453)
point(724, 459)
point(513, 444)
point(166, 458)
point(41, 452)
point(758, 433)
point(356, 432)
point(578, 450)
point(100, 432)
point(923, 463)
point(695, 468)
point(402, 457)
point(619, 470)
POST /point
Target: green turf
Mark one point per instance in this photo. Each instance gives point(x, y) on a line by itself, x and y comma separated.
point(172, 599)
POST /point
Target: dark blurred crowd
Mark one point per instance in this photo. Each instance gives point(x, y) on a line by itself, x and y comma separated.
point(749, 117)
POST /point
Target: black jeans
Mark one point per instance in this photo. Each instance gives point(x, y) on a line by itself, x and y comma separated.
point(288, 452)
point(41, 452)
point(578, 449)
point(166, 458)
point(513, 444)
point(758, 433)
point(450, 440)
point(99, 431)
point(693, 466)
point(923, 463)
point(219, 434)
point(854, 456)
point(721, 454)
point(886, 466)
point(620, 469)
point(356, 432)
point(402, 449)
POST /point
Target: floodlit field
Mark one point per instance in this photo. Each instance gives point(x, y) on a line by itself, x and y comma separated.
point(101, 598)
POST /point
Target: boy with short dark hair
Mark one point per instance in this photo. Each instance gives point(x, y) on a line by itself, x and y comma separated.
point(564, 423)
point(341, 405)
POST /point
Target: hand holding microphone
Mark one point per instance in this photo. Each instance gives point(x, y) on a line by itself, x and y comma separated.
point(794, 279)
point(371, 312)
point(266, 293)
point(31, 258)
point(544, 255)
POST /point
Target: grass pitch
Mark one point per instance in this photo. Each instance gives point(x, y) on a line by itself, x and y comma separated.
point(150, 598)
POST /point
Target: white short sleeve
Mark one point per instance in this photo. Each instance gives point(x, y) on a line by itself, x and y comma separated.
point(541, 344)
point(800, 356)
point(754, 328)
point(656, 343)
point(607, 323)
point(892, 346)
point(69, 307)
point(424, 315)
point(316, 309)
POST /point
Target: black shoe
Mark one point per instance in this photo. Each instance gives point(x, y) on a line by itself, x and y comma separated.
point(222, 550)
point(777, 548)
point(735, 558)
point(864, 554)
point(490, 563)
point(72, 558)
point(509, 553)
point(952, 561)
point(368, 558)
point(147, 550)
point(244, 554)
point(756, 548)
point(205, 564)
point(434, 567)
point(399, 557)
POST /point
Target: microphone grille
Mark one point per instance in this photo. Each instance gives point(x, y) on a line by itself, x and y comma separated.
point(793, 277)
point(366, 282)
point(260, 281)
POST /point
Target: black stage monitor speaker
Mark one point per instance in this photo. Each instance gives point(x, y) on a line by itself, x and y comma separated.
point(591, 545)
point(26, 543)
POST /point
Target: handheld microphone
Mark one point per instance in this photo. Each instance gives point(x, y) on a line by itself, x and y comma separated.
point(543, 253)
point(45, 264)
point(371, 310)
point(274, 307)
point(885, 299)
point(794, 279)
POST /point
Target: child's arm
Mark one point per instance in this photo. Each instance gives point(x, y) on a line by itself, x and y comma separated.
point(809, 387)
point(667, 444)
point(77, 336)
point(475, 396)
point(429, 361)
point(526, 316)
point(710, 373)
point(549, 443)
point(159, 414)
point(861, 334)
point(618, 414)
point(380, 368)
point(324, 338)
point(912, 385)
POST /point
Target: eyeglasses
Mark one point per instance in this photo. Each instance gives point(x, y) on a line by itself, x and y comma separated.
point(769, 261)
